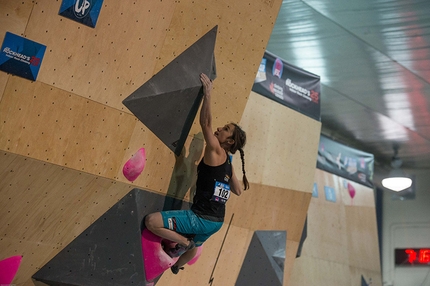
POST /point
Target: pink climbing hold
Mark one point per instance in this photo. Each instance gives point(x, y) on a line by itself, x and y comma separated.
point(135, 165)
point(8, 269)
point(199, 252)
point(351, 190)
point(155, 260)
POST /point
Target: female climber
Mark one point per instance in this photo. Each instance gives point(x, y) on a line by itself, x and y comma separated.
point(216, 180)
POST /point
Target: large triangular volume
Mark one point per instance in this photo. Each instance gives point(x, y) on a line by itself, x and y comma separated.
point(108, 252)
point(267, 250)
point(168, 103)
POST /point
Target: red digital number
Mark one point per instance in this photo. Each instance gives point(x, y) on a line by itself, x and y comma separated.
point(424, 256)
point(412, 255)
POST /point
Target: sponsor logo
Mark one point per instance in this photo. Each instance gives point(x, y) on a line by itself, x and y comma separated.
point(226, 178)
point(362, 163)
point(172, 223)
point(81, 8)
point(315, 96)
point(351, 165)
point(278, 67)
point(362, 177)
point(310, 95)
point(34, 61)
point(277, 90)
point(261, 74)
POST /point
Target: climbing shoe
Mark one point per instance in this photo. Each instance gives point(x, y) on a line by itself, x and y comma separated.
point(178, 250)
point(175, 269)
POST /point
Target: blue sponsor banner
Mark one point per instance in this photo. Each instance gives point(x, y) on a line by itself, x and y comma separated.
point(21, 57)
point(83, 11)
point(330, 194)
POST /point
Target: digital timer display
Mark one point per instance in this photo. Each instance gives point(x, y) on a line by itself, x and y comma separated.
point(412, 257)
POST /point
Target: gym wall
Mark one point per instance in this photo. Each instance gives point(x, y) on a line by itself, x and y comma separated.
point(66, 136)
point(342, 237)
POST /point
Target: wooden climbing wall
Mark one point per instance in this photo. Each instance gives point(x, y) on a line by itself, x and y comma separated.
point(280, 203)
point(342, 241)
point(65, 137)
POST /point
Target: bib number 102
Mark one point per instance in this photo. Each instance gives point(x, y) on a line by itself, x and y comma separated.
point(221, 192)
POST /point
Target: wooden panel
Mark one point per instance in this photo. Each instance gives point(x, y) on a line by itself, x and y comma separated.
point(373, 278)
point(244, 28)
point(282, 145)
point(3, 80)
point(14, 16)
point(290, 260)
point(32, 253)
point(256, 121)
point(342, 241)
point(108, 62)
point(72, 119)
point(56, 126)
point(160, 160)
point(225, 270)
point(232, 255)
point(270, 208)
point(313, 271)
point(182, 184)
point(43, 207)
point(327, 238)
point(362, 237)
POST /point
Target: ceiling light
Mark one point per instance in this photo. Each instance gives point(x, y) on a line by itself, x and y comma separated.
point(397, 180)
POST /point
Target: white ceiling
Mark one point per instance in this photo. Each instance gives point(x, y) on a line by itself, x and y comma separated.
point(373, 57)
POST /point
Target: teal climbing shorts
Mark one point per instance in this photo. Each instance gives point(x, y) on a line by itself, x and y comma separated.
point(187, 222)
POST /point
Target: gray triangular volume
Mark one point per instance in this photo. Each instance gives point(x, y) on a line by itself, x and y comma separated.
point(363, 281)
point(279, 258)
point(108, 252)
point(274, 243)
point(168, 103)
point(264, 246)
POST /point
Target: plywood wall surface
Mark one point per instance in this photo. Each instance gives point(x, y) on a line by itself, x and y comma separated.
point(53, 125)
point(65, 137)
point(244, 28)
point(56, 126)
point(14, 16)
point(270, 208)
point(311, 271)
point(108, 62)
point(281, 145)
point(43, 207)
point(3, 80)
point(223, 269)
point(362, 238)
point(342, 241)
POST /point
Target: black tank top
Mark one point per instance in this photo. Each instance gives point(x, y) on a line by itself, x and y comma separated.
point(212, 190)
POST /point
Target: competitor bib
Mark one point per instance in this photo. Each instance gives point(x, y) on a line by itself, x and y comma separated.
point(221, 192)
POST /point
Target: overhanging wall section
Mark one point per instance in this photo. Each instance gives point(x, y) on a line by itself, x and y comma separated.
point(72, 120)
